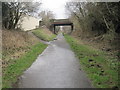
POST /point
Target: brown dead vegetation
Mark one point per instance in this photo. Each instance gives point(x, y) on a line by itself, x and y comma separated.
point(46, 30)
point(100, 42)
point(15, 44)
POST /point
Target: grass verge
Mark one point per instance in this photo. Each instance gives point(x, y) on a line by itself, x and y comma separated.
point(13, 71)
point(44, 34)
point(15, 44)
point(100, 68)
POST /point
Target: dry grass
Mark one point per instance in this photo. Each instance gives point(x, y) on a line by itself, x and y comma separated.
point(101, 68)
point(15, 44)
point(47, 31)
point(44, 34)
point(99, 42)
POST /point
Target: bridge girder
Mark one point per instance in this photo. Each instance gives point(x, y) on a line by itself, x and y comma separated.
point(61, 22)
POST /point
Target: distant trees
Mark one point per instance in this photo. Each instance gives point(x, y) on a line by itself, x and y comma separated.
point(95, 18)
point(12, 12)
point(47, 17)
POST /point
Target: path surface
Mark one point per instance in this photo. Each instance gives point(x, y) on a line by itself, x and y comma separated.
point(56, 67)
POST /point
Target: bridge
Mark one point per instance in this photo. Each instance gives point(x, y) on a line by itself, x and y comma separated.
point(61, 22)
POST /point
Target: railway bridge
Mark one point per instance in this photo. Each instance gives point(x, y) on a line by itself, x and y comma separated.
point(61, 22)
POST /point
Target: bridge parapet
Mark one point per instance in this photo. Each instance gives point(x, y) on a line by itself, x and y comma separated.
point(61, 22)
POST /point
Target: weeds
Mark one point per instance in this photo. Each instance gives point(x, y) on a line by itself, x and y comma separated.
point(19, 50)
point(15, 44)
point(44, 34)
point(96, 63)
point(16, 68)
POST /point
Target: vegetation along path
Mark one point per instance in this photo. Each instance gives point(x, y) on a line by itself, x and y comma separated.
point(56, 67)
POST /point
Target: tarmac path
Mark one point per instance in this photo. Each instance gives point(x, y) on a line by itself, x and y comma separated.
point(56, 67)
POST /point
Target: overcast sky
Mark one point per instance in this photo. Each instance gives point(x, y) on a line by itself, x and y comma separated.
point(56, 6)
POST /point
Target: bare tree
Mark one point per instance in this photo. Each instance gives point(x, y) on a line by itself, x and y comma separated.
point(12, 12)
point(46, 17)
point(95, 18)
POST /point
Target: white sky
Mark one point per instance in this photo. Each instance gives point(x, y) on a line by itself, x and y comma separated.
point(56, 6)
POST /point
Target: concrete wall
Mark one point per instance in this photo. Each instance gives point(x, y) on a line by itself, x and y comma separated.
point(28, 23)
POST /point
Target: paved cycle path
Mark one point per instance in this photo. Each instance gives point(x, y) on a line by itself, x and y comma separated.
point(56, 67)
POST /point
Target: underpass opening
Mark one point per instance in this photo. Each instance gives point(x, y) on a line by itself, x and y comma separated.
point(61, 22)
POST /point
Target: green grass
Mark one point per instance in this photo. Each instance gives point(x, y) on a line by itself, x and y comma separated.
point(13, 71)
point(40, 33)
point(102, 70)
